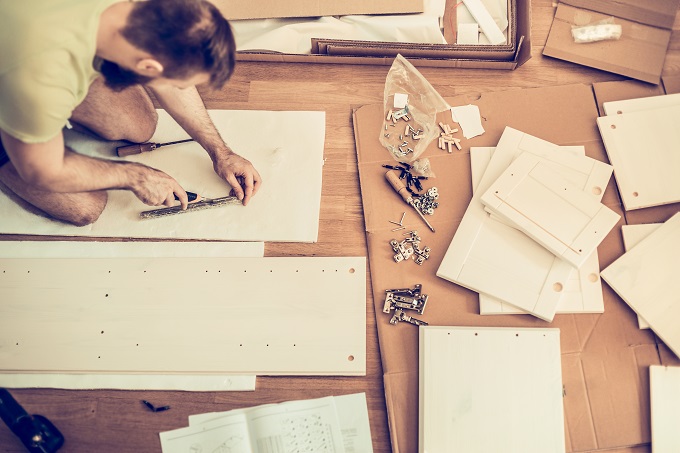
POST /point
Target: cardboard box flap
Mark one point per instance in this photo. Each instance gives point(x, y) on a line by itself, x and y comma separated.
point(639, 53)
point(239, 9)
point(658, 13)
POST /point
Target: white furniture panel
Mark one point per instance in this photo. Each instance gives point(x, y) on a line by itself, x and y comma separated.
point(90, 249)
point(184, 315)
point(551, 210)
point(646, 277)
point(583, 290)
point(644, 148)
point(488, 389)
point(632, 235)
point(664, 385)
point(285, 147)
point(639, 104)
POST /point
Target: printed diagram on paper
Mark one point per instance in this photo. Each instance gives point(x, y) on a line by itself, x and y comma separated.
point(323, 425)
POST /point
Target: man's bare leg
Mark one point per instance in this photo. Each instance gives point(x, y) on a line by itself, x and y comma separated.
point(79, 209)
point(125, 115)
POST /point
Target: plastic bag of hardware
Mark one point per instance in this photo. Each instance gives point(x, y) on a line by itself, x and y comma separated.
point(422, 167)
point(411, 105)
point(602, 30)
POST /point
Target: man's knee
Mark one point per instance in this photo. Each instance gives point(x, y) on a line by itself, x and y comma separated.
point(87, 212)
point(125, 115)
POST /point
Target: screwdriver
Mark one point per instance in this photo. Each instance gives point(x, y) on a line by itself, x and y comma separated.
point(139, 148)
point(193, 197)
point(400, 188)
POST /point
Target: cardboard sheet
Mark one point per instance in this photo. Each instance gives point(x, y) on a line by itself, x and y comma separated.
point(83, 249)
point(639, 53)
point(490, 390)
point(274, 142)
point(604, 356)
point(646, 277)
point(184, 315)
point(238, 9)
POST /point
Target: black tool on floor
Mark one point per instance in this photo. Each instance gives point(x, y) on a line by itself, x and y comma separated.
point(36, 432)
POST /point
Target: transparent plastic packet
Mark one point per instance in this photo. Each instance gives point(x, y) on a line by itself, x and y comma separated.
point(602, 30)
point(411, 105)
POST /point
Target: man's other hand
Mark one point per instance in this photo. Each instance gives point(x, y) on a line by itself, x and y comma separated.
point(240, 174)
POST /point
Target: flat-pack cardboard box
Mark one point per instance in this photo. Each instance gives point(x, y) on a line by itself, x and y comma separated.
point(605, 357)
point(504, 56)
point(640, 51)
point(240, 9)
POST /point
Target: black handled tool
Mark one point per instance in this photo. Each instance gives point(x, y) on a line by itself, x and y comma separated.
point(36, 432)
point(139, 148)
point(401, 189)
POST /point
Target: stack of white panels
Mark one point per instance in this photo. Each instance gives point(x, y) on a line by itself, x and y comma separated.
point(530, 234)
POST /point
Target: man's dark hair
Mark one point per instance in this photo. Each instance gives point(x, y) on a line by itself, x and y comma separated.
point(185, 36)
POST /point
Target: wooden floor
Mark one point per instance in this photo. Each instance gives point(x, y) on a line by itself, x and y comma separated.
point(116, 421)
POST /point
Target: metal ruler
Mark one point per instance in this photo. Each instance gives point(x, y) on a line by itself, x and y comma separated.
point(196, 206)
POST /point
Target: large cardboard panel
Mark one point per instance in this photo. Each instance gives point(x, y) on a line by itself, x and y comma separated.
point(639, 53)
point(239, 9)
point(604, 356)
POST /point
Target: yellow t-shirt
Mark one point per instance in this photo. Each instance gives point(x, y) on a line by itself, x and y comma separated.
point(47, 49)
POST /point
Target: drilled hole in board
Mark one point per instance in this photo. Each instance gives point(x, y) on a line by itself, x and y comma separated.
point(636, 194)
point(613, 126)
point(592, 277)
point(476, 334)
point(517, 335)
point(558, 287)
point(619, 112)
point(351, 358)
point(351, 270)
point(597, 190)
point(102, 332)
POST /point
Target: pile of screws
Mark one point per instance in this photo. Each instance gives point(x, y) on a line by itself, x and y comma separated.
point(427, 202)
point(410, 247)
point(411, 179)
point(404, 299)
point(403, 148)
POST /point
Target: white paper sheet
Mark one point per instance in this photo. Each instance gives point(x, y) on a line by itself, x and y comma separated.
point(330, 424)
point(285, 147)
point(469, 118)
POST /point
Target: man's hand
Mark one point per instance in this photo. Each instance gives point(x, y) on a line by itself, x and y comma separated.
point(155, 188)
point(240, 174)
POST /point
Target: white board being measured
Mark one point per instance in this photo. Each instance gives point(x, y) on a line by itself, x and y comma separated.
point(285, 147)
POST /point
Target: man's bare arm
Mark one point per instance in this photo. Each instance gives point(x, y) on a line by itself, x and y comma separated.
point(186, 107)
point(50, 166)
